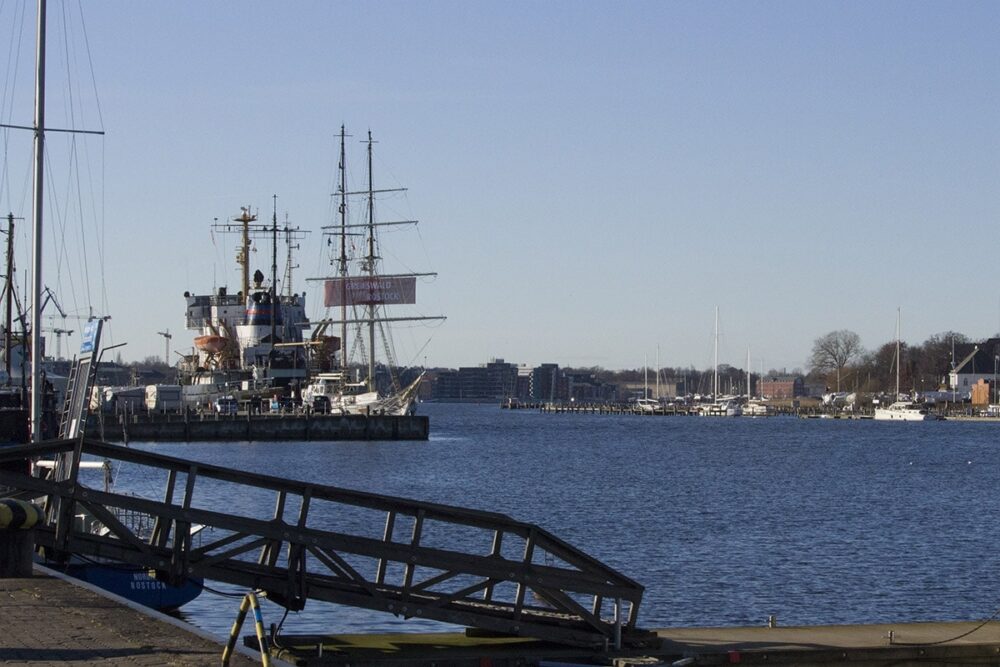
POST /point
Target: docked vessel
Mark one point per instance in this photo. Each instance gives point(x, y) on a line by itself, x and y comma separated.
point(363, 384)
point(130, 581)
point(904, 411)
point(252, 342)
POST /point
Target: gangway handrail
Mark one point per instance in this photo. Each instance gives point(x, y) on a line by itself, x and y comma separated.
point(453, 564)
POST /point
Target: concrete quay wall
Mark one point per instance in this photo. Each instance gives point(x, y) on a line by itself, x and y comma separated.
point(197, 428)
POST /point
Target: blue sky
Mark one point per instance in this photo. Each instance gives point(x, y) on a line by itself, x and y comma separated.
point(592, 179)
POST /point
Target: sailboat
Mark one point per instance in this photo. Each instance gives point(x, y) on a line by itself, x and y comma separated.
point(645, 404)
point(900, 410)
point(129, 581)
point(363, 298)
point(720, 406)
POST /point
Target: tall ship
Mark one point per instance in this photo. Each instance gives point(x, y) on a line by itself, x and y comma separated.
point(363, 296)
point(253, 341)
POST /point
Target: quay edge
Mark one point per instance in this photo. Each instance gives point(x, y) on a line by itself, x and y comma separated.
point(189, 427)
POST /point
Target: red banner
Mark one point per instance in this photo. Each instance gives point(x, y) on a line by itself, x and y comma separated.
point(366, 290)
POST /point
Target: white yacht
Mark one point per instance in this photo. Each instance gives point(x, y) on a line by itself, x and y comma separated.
point(904, 411)
point(901, 410)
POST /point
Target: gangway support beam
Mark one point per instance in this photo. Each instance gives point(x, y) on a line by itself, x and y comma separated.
point(406, 557)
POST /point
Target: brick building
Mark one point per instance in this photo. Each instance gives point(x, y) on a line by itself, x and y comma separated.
point(782, 386)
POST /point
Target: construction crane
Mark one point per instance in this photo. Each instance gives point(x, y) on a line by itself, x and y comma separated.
point(166, 339)
point(59, 333)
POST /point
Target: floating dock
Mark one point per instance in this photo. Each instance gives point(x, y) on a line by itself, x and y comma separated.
point(808, 646)
point(194, 427)
point(50, 618)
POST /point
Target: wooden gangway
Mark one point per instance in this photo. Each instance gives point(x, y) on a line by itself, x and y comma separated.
point(405, 557)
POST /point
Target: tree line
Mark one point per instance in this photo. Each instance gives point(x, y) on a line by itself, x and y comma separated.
point(838, 361)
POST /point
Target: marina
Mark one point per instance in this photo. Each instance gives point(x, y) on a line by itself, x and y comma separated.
point(731, 526)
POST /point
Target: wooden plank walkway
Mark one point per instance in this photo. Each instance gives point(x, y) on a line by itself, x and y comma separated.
point(48, 619)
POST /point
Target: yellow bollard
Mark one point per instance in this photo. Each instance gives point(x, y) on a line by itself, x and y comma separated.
point(249, 602)
point(18, 519)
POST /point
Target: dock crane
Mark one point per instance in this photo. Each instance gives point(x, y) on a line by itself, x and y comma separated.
point(50, 296)
point(59, 332)
point(166, 338)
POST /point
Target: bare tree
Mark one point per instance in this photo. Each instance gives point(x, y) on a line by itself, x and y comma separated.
point(835, 351)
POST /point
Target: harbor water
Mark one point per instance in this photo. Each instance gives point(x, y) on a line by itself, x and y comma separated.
point(724, 521)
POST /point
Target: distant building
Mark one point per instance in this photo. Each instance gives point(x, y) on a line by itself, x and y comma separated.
point(586, 388)
point(499, 380)
point(974, 362)
point(494, 381)
point(545, 383)
point(782, 386)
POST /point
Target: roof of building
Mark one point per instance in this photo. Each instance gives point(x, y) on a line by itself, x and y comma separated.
point(977, 358)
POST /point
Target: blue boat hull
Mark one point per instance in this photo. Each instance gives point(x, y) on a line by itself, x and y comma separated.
point(135, 584)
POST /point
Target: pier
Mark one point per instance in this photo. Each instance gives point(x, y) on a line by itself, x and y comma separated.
point(49, 618)
point(189, 426)
point(883, 645)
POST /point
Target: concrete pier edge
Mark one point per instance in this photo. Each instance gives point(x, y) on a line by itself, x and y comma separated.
point(159, 616)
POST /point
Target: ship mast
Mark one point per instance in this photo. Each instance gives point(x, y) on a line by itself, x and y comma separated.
point(351, 289)
point(343, 252)
point(370, 267)
point(274, 271)
point(9, 297)
point(243, 256)
point(36, 242)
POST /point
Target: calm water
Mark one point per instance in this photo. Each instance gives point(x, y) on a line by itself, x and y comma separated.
point(724, 521)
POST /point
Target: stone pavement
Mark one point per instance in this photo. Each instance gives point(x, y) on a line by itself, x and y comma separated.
point(46, 620)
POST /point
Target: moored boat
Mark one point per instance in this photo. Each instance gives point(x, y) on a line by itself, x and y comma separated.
point(904, 411)
point(363, 299)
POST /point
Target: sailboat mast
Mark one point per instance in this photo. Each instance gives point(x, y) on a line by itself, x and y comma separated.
point(645, 377)
point(748, 373)
point(715, 382)
point(36, 265)
point(371, 268)
point(897, 353)
point(343, 251)
point(657, 373)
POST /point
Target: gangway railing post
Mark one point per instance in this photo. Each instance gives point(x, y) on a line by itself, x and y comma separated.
point(390, 524)
point(418, 526)
point(529, 552)
point(161, 527)
point(618, 624)
point(494, 552)
point(270, 551)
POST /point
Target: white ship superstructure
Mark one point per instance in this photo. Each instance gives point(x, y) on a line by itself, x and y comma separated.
point(253, 339)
